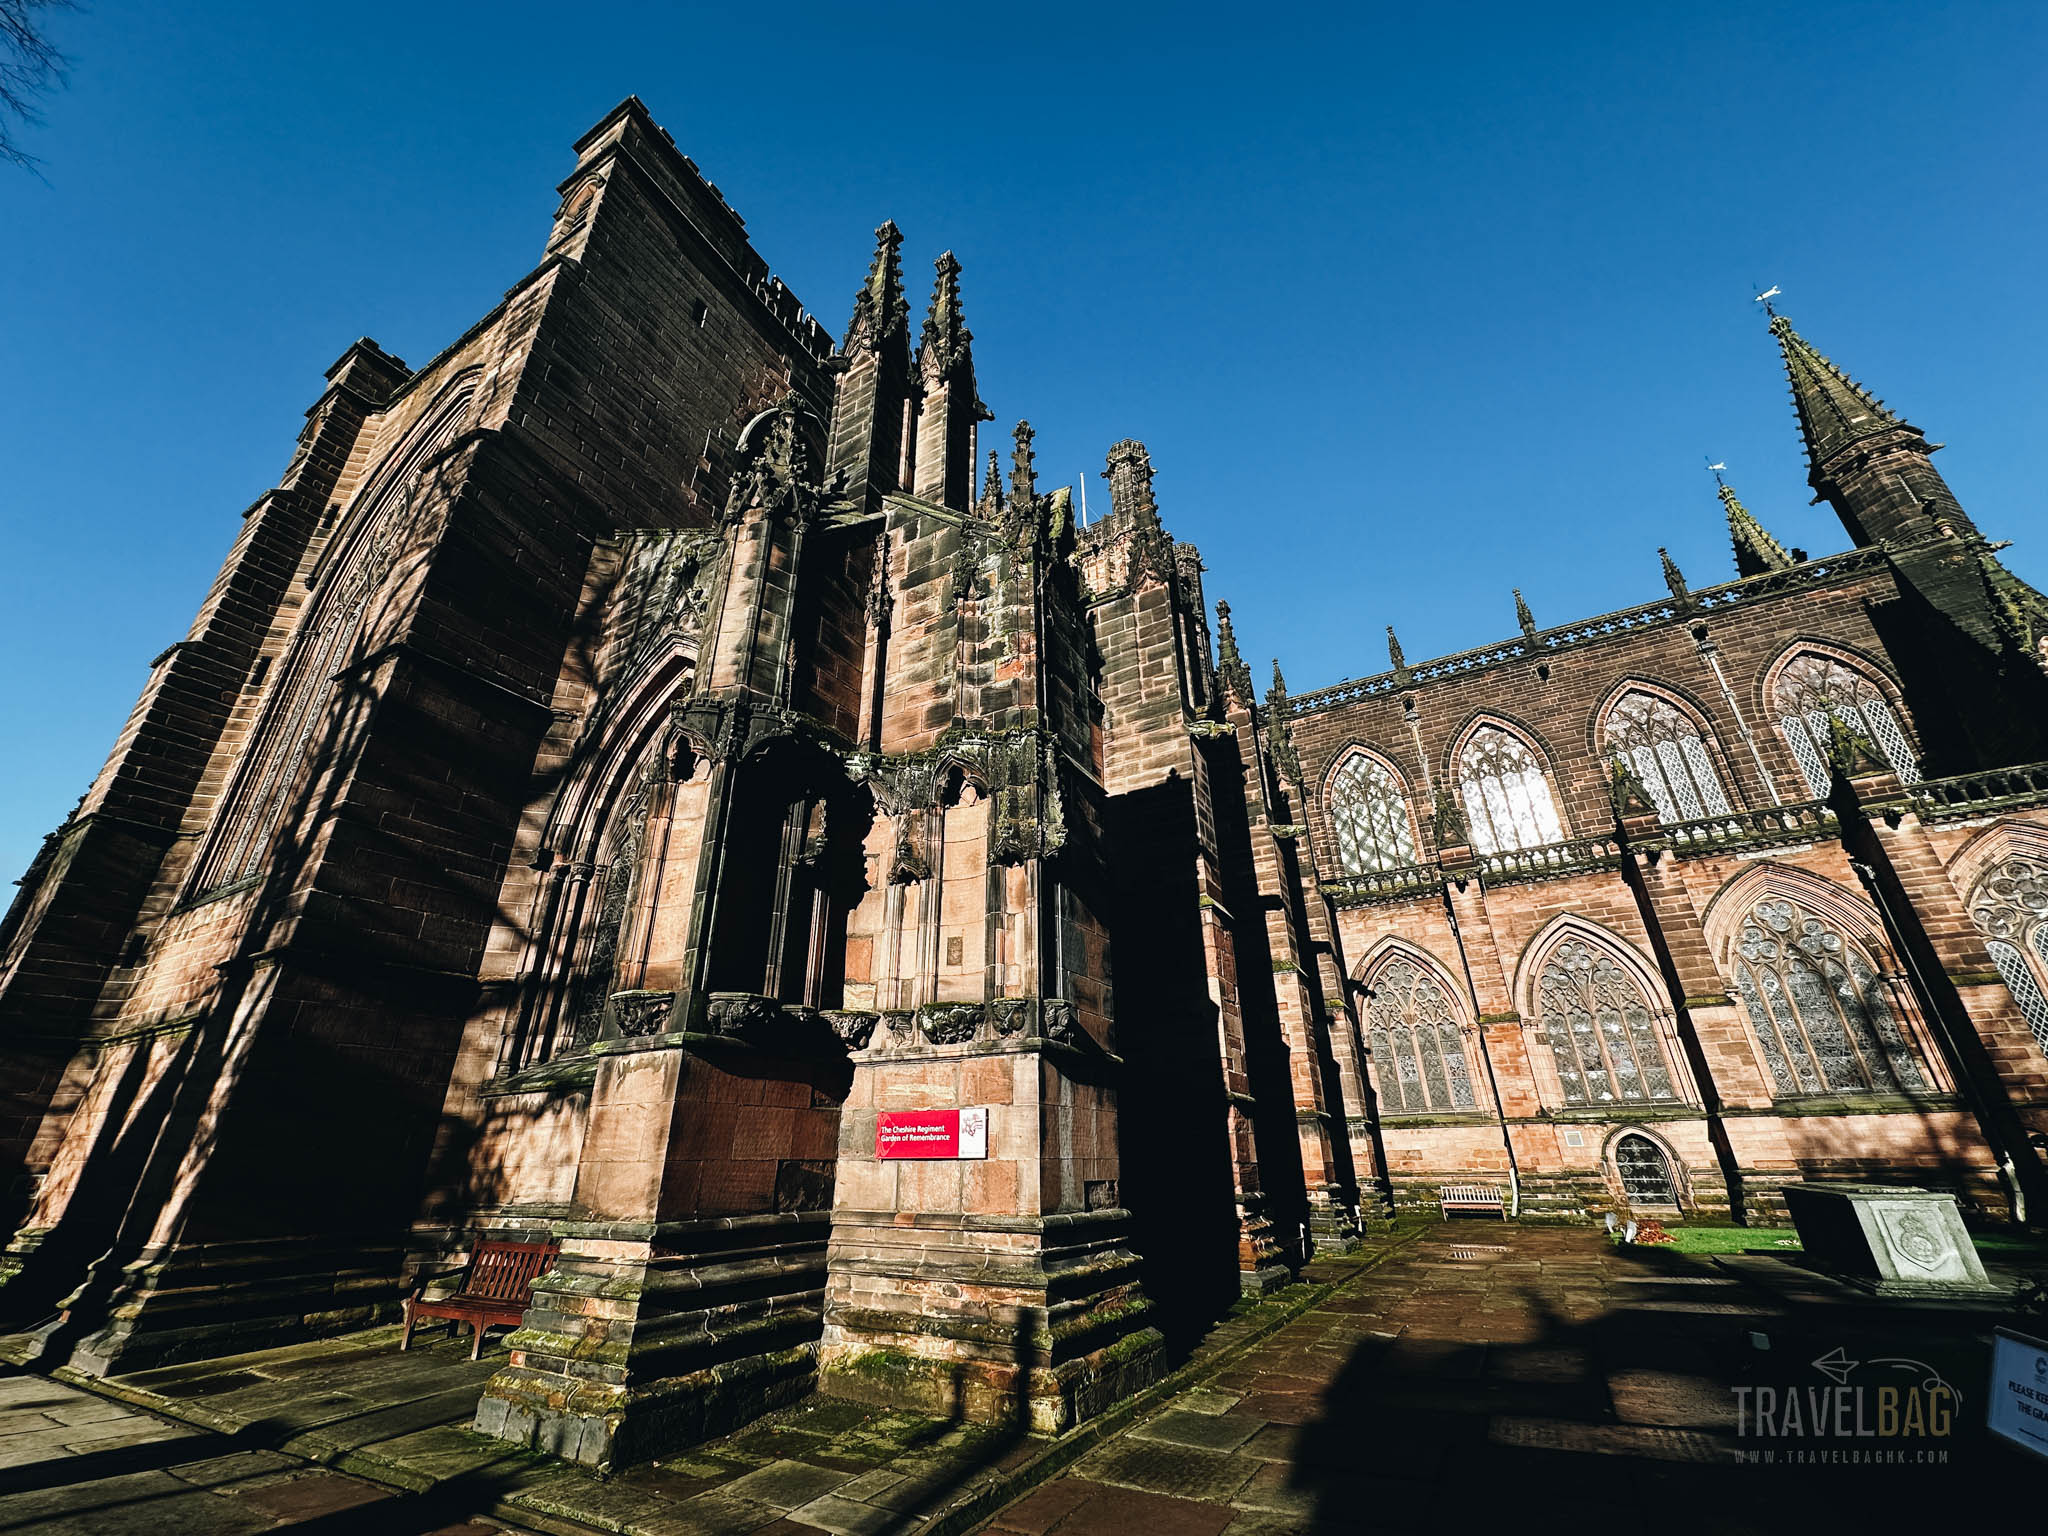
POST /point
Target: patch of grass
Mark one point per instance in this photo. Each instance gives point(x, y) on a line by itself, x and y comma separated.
point(1732, 1240)
point(2011, 1247)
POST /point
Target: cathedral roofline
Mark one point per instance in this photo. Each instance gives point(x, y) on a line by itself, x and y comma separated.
point(1547, 642)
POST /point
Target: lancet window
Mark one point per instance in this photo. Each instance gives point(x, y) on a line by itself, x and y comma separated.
point(1417, 1047)
point(1818, 1006)
point(1507, 799)
point(2009, 905)
point(1369, 813)
point(1602, 1032)
point(1661, 745)
point(1813, 689)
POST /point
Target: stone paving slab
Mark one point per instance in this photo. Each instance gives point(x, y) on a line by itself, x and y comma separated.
point(350, 1435)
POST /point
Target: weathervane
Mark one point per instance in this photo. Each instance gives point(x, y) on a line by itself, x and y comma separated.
point(1765, 298)
point(1715, 470)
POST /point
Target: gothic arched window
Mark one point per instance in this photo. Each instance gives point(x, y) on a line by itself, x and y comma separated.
point(1818, 1006)
point(302, 699)
point(1645, 1172)
point(1811, 690)
point(1369, 814)
point(1416, 1044)
point(2009, 905)
point(1507, 799)
point(1660, 743)
point(1602, 1033)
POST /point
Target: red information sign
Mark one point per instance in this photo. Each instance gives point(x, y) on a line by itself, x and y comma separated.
point(938, 1133)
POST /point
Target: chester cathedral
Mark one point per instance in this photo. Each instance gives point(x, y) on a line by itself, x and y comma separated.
point(632, 766)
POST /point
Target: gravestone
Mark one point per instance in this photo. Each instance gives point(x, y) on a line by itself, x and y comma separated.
point(1894, 1239)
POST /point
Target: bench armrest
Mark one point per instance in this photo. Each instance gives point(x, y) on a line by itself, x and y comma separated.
point(427, 1277)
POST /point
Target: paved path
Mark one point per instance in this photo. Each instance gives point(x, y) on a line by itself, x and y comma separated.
point(1530, 1378)
point(76, 1464)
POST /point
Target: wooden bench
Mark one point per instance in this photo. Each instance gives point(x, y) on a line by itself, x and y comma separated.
point(495, 1290)
point(1487, 1199)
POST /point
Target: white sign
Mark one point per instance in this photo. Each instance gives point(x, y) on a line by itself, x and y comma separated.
point(2019, 1391)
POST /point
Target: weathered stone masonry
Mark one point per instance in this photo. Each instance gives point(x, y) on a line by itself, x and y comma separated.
point(627, 756)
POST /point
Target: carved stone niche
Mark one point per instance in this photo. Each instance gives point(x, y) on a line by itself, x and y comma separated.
point(951, 1023)
point(636, 1015)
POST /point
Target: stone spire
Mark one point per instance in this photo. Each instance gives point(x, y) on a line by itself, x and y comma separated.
point(1279, 733)
point(1231, 671)
point(1130, 496)
point(1834, 410)
point(1394, 655)
point(945, 349)
point(1523, 616)
point(868, 454)
point(1755, 550)
point(880, 312)
point(951, 405)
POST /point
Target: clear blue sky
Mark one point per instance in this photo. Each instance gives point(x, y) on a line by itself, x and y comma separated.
point(1412, 304)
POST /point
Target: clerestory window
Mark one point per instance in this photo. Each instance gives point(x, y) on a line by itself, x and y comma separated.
point(1369, 813)
point(1659, 742)
point(1507, 800)
point(1811, 690)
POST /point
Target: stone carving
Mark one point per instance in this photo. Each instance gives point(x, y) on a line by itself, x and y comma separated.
point(637, 1015)
point(1010, 1016)
point(853, 1027)
point(1058, 1022)
point(908, 864)
point(900, 1022)
point(777, 478)
point(740, 1015)
point(950, 1023)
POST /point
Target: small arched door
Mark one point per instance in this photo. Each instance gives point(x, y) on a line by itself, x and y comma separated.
point(1645, 1173)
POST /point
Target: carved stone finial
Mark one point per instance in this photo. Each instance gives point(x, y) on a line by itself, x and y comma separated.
point(1674, 578)
point(1625, 787)
point(1023, 472)
point(1851, 751)
point(1279, 732)
point(1394, 654)
point(776, 476)
point(1523, 616)
point(992, 488)
point(879, 310)
point(1450, 823)
point(945, 347)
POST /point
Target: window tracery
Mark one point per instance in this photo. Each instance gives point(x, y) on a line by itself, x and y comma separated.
point(1662, 745)
point(1603, 1036)
point(1369, 813)
point(1415, 1040)
point(1818, 1007)
point(1507, 799)
point(1811, 690)
point(2009, 905)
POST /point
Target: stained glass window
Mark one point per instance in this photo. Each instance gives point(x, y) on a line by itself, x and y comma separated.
point(1417, 1048)
point(1602, 1034)
point(1661, 744)
point(2009, 905)
point(1507, 800)
point(1818, 1007)
point(1813, 688)
point(1645, 1171)
point(1370, 816)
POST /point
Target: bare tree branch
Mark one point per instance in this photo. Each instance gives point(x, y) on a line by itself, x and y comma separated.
point(30, 65)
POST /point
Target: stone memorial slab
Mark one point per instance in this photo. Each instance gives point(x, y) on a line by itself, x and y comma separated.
point(1894, 1239)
